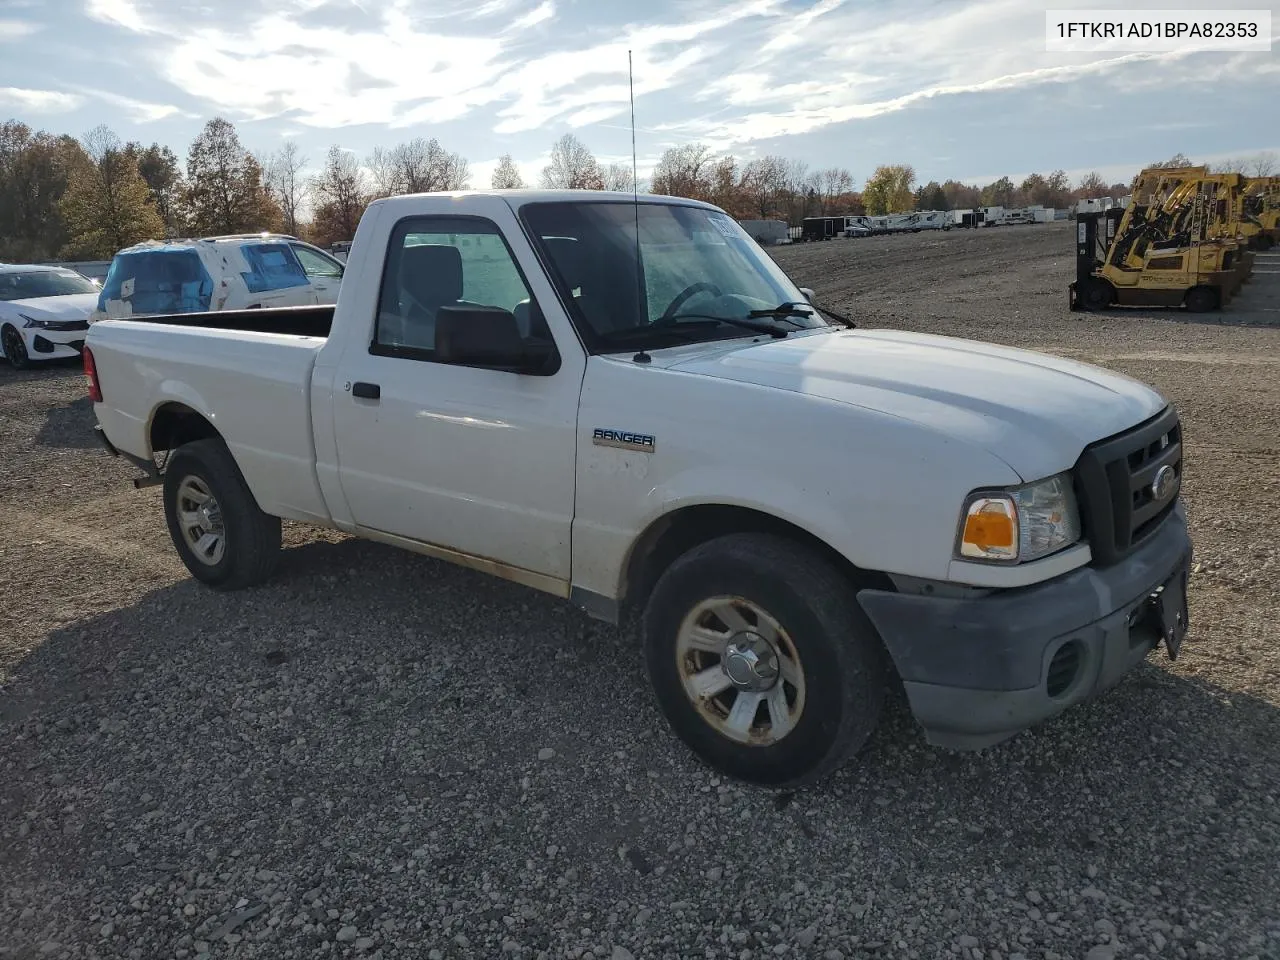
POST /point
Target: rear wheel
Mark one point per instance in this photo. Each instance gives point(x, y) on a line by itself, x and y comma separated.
point(761, 660)
point(1202, 299)
point(15, 348)
point(221, 534)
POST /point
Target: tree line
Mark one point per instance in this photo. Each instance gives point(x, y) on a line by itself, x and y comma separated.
point(68, 198)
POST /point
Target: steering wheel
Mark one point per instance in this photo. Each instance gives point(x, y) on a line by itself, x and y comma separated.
point(693, 288)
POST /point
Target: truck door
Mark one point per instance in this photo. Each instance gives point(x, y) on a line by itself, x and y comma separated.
point(477, 461)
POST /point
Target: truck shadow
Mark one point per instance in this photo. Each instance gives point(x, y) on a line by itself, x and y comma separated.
point(64, 427)
point(363, 679)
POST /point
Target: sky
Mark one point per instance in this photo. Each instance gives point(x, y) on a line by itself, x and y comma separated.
point(960, 89)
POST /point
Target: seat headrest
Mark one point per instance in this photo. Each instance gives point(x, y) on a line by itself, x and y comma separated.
point(566, 253)
point(432, 271)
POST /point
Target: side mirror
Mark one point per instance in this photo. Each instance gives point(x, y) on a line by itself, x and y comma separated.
point(473, 335)
point(808, 294)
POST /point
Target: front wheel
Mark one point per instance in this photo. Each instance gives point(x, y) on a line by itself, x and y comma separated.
point(220, 532)
point(1096, 294)
point(762, 661)
point(15, 348)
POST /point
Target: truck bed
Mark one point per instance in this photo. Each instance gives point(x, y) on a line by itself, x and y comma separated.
point(248, 372)
point(305, 321)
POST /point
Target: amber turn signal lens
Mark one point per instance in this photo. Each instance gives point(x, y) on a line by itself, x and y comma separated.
point(990, 530)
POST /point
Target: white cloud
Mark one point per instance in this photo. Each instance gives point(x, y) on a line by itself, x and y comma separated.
point(38, 101)
point(119, 13)
point(13, 30)
point(140, 111)
point(543, 11)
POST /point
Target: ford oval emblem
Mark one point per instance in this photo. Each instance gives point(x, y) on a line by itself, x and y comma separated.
point(1163, 483)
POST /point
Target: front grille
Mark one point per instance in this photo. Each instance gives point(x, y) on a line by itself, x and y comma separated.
point(1114, 478)
point(1063, 668)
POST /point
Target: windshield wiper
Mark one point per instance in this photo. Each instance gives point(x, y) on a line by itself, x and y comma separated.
point(770, 329)
point(789, 309)
point(784, 311)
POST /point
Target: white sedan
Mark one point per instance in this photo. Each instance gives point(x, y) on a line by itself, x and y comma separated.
point(44, 312)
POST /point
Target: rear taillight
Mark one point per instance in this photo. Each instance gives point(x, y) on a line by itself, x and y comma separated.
point(91, 375)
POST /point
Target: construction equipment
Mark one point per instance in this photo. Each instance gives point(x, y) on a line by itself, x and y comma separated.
point(1160, 249)
point(1260, 212)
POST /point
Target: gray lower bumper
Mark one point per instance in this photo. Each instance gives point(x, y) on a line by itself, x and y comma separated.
point(977, 671)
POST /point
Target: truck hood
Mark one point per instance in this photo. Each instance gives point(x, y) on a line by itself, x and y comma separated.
point(71, 306)
point(1035, 412)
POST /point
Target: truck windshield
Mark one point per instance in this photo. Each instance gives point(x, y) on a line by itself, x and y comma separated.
point(699, 275)
point(43, 283)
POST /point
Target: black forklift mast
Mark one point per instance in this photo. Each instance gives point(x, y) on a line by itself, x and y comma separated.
point(1094, 232)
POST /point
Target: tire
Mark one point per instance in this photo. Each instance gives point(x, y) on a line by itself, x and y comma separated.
point(840, 659)
point(250, 539)
point(1097, 294)
point(15, 348)
point(1202, 299)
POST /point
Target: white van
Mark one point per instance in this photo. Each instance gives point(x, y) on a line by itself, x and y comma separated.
point(237, 272)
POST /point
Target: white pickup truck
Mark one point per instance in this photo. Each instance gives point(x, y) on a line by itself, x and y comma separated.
point(628, 404)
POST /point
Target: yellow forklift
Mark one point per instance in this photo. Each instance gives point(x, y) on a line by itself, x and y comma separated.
point(1260, 212)
point(1229, 224)
point(1158, 251)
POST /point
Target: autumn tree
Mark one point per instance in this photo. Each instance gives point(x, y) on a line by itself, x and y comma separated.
point(686, 171)
point(1002, 193)
point(506, 175)
point(1264, 164)
point(419, 166)
point(225, 190)
point(108, 205)
point(931, 197)
point(572, 167)
point(829, 185)
point(617, 176)
point(961, 196)
point(341, 192)
point(35, 170)
point(287, 183)
point(158, 167)
point(764, 184)
point(889, 190)
point(1091, 186)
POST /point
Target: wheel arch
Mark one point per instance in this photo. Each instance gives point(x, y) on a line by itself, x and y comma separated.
point(678, 531)
point(174, 423)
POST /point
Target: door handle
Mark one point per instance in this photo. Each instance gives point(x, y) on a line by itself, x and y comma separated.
point(368, 391)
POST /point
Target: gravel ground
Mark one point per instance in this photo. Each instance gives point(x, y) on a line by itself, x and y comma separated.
point(378, 755)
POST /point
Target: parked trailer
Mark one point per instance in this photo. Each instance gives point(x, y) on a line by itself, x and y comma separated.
point(912, 222)
point(1007, 217)
point(766, 232)
point(821, 228)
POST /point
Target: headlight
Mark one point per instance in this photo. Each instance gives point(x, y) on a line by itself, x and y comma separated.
point(33, 322)
point(1021, 523)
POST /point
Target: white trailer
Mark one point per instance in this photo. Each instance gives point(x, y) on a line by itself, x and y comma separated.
point(912, 222)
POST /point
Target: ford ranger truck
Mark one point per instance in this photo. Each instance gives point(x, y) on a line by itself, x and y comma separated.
point(626, 403)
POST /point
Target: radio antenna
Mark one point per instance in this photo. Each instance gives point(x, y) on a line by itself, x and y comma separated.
point(641, 356)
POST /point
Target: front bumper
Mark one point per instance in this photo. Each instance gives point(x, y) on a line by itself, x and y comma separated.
point(44, 344)
point(978, 671)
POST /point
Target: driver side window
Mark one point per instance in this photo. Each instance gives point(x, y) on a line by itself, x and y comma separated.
point(435, 262)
